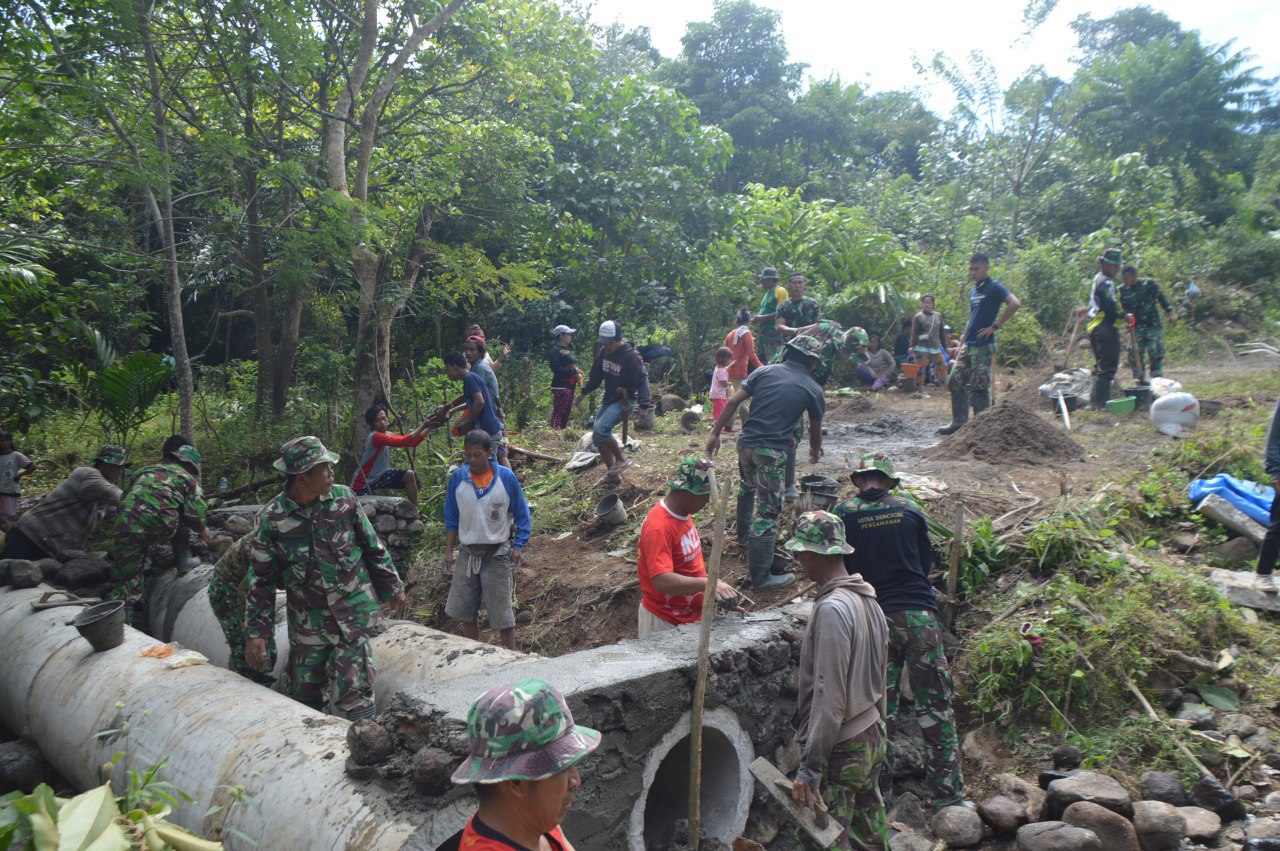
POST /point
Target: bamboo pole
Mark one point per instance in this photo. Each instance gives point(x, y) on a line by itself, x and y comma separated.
point(953, 575)
point(704, 644)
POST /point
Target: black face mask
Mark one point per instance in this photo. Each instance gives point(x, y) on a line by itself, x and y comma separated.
point(873, 494)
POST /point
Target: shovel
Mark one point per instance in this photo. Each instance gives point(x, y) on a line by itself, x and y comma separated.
point(1137, 353)
point(47, 600)
point(817, 823)
point(1071, 346)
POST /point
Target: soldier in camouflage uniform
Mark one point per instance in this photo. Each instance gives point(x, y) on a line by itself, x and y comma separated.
point(524, 749)
point(768, 340)
point(159, 502)
point(780, 393)
point(1143, 299)
point(229, 597)
point(890, 548)
point(315, 541)
point(799, 311)
point(840, 706)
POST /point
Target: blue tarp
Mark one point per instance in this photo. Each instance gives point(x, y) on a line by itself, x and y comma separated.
point(1250, 497)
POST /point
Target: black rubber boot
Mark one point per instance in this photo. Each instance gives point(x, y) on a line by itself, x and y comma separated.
point(184, 561)
point(959, 412)
point(981, 401)
point(760, 561)
point(1102, 393)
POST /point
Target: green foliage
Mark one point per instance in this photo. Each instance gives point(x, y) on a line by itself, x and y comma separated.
point(121, 390)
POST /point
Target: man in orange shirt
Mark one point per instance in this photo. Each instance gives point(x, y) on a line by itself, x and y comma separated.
point(672, 573)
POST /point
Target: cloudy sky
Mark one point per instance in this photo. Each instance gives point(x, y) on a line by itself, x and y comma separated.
point(873, 43)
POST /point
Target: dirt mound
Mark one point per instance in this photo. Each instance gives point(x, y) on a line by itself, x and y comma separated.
point(1009, 433)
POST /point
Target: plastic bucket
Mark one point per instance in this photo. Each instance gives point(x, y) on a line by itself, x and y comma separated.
point(611, 511)
point(1123, 405)
point(1143, 396)
point(689, 421)
point(782, 561)
point(1210, 407)
point(819, 492)
point(102, 625)
point(910, 370)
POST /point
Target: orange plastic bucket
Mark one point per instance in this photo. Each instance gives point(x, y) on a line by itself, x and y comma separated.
point(910, 370)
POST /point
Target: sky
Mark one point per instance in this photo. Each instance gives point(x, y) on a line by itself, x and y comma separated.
point(873, 44)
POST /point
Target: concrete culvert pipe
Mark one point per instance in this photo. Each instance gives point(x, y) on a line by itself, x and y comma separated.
point(215, 729)
point(726, 782)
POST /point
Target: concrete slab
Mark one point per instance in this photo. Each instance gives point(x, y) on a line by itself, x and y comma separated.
point(1237, 586)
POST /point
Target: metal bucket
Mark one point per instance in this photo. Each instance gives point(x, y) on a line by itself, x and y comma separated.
point(102, 625)
point(818, 493)
point(610, 510)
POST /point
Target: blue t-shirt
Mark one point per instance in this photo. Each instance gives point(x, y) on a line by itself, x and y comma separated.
point(985, 301)
point(488, 419)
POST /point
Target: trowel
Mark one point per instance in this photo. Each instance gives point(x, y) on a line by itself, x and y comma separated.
point(817, 823)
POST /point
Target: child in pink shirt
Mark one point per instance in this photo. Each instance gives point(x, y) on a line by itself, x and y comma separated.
point(720, 383)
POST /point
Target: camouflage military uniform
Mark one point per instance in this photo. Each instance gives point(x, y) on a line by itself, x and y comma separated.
point(835, 343)
point(228, 597)
point(760, 475)
point(799, 314)
point(1144, 300)
point(326, 555)
point(851, 792)
point(157, 501)
point(972, 371)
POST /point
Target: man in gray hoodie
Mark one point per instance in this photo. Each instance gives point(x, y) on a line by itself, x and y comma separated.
point(840, 711)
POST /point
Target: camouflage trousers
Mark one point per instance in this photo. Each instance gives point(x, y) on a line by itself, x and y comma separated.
point(767, 345)
point(939, 368)
point(1151, 347)
point(229, 604)
point(972, 371)
point(314, 670)
point(851, 791)
point(915, 646)
point(131, 566)
point(760, 475)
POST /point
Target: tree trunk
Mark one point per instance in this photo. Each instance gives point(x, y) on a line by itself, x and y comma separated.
point(287, 349)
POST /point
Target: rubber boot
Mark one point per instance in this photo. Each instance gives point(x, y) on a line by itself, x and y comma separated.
point(1101, 393)
point(959, 412)
point(184, 561)
point(790, 493)
point(760, 561)
point(746, 508)
point(981, 401)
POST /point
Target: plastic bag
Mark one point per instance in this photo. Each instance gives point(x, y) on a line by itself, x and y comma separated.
point(185, 658)
point(1164, 386)
point(157, 651)
point(1250, 497)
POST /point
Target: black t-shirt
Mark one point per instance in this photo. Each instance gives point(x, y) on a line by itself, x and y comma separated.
point(890, 538)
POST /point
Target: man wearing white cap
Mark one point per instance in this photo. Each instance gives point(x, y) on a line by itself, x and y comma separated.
point(565, 375)
point(626, 381)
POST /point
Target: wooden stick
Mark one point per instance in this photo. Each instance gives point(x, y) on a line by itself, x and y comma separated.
point(1066, 362)
point(529, 453)
point(704, 644)
point(953, 576)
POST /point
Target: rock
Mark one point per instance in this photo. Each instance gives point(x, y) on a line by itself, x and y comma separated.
point(415, 527)
point(1067, 757)
point(1200, 716)
point(646, 419)
point(1202, 825)
point(1113, 831)
point(356, 771)
point(1236, 724)
point(907, 811)
point(1273, 760)
point(1049, 775)
point(72, 555)
point(49, 567)
point(83, 571)
point(741, 843)
point(1261, 845)
point(370, 742)
point(669, 402)
point(979, 747)
point(1092, 787)
point(219, 544)
point(762, 825)
point(1264, 828)
point(910, 842)
point(238, 524)
point(1215, 798)
point(1034, 800)
point(1056, 836)
point(1237, 551)
point(1272, 801)
point(1004, 814)
point(1171, 700)
point(24, 574)
point(370, 509)
point(405, 510)
point(432, 770)
point(384, 523)
point(23, 767)
point(959, 827)
point(1247, 793)
point(1159, 825)
point(1164, 786)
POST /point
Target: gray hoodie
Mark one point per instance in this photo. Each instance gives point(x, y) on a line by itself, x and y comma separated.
point(842, 671)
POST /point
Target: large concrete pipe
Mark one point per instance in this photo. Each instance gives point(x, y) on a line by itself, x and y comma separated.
point(216, 729)
point(408, 655)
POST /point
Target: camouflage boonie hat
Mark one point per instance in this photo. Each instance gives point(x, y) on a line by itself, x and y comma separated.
point(819, 532)
point(301, 454)
point(768, 273)
point(873, 462)
point(856, 336)
point(1112, 255)
point(110, 454)
point(693, 475)
point(806, 345)
point(187, 454)
point(522, 731)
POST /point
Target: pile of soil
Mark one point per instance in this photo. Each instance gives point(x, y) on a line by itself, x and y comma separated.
point(1009, 433)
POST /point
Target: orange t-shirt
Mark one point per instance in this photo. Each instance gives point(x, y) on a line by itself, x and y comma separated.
point(483, 481)
point(670, 544)
point(478, 836)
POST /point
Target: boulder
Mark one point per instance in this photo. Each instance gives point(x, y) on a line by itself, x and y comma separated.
point(1213, 796)
point(1092, 787)
point(1261, 845)
point(1004, 814)
point(959, 827)
point(1171, 699)
point(23, 767)
point(1237, 551)
point(1247, 793)
point(405, 510)
point(910, 842)
point(1056, 836)
point(237, 525)
point(219, 544)
point(1237, 724)
point(1263, 828)
point(1164, 786)
point(1159, 825)
point(908, 812)
point(83, 571)
point(1203, 826)
point(24, 574)
point(1200, 716)
point(384, 523)
point(1067, 757)
point(1034, 800)
point(669, 402)
point(1113, 831)
point(370, 742)
point(49, 567)
point(432, 771)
